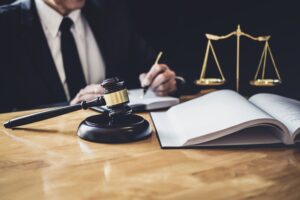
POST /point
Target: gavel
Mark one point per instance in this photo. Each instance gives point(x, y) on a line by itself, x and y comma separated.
point(115, 97)
point(115, 126)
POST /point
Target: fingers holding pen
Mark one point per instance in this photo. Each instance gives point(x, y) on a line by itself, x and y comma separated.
point(166, 88)
point(160, 79)
point(154, 71)
point(142, 77)
point(163, 79)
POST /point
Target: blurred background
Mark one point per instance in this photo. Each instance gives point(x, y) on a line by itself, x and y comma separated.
point(178, 27)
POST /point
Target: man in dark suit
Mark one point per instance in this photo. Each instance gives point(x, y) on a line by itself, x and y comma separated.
point(51, 48)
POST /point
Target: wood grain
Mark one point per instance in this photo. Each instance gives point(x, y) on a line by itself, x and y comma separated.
point(46, 160)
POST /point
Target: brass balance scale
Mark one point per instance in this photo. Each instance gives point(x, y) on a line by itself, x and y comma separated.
point(259, 78)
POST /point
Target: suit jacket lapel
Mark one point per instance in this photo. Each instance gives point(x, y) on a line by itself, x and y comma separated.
point(37, 49)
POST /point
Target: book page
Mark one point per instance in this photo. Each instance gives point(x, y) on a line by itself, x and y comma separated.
point(281, 108)
point(263, 134)
point(215, 115)
point(167, 135)
point(150, 100)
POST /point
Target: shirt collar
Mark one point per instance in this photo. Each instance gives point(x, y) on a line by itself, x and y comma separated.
point(51, 19)
point(77, 19)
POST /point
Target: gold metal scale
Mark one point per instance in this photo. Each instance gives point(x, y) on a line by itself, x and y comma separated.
point(259, 78)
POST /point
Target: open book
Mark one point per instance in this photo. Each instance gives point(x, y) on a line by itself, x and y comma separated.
point(149, 101)
point(225, 117)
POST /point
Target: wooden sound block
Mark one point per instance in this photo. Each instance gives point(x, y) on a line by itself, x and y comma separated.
point(120, 129)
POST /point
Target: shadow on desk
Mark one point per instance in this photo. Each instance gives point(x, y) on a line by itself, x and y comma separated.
point(38, 130)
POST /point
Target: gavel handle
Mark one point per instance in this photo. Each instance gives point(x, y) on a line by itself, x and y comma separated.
point(52, 113)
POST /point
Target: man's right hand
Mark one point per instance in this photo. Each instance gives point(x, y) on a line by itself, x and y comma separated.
point(160, 78)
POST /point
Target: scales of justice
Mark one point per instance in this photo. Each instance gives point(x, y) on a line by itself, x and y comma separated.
point(259, 78)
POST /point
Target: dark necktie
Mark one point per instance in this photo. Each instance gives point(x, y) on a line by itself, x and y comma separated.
point(72, 65)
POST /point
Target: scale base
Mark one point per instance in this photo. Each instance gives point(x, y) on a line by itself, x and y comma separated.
point(102, 129)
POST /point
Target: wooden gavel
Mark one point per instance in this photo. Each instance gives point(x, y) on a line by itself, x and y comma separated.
point(115, 97)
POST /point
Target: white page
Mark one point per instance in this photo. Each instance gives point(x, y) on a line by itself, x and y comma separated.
point(284, 109)
point(150, 99)
point(249, 136)
point(212, 113)
point(168, 137)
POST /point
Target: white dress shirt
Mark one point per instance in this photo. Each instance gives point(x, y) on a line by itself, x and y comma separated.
point(89, 53)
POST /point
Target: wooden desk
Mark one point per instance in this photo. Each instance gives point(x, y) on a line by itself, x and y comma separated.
point(46, 160)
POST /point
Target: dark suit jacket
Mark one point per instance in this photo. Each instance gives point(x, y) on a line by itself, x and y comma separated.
point(28, 75)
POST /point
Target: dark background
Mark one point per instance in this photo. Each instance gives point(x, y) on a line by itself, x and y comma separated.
point(178, 27)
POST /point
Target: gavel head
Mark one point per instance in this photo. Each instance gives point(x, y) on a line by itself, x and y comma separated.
point(116, 97)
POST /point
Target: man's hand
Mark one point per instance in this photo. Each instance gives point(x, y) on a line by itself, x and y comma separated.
point(160, 79)
point(88, 93)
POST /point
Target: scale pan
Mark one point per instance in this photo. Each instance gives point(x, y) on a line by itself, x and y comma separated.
point(210, 81)
point(265, 82)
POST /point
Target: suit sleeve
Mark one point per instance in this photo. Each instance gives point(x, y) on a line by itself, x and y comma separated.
point(141, 54)
point(6, 87)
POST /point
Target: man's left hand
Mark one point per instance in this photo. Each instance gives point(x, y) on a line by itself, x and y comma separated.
point(88, 93)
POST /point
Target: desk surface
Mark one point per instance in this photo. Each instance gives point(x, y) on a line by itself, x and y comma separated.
point(46, 160)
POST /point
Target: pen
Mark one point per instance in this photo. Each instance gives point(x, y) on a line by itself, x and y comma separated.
point(145, 88)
